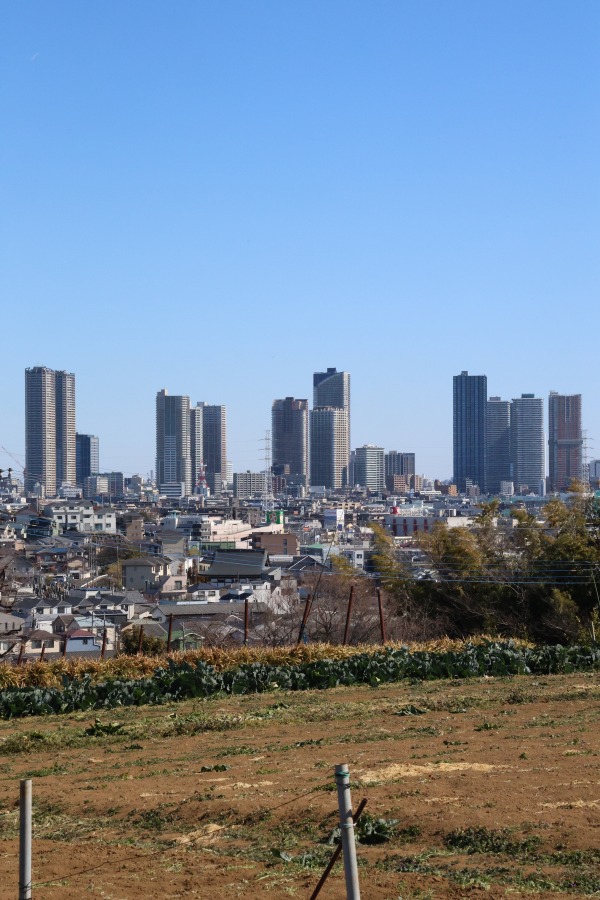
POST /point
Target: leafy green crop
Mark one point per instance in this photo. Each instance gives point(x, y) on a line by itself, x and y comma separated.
point(181, 680)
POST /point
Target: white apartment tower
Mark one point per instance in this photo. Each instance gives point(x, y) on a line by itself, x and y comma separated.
point(50, 446)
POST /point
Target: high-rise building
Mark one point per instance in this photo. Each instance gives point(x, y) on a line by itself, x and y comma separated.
point(87, 454)
point(497, 465)
point(332, 389)
point(528, 464)
point(329, 447)
point(398, 463)
point(289, 423)
point(469, 433)
point(369, 469)
point(197, 443)
point(565, 440)
point(50, 453)
point(173, 460)
point(214, 439)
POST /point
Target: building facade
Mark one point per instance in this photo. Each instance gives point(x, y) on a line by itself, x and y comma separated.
point(528, 461)
point(332, 389)
point(497, 466)
point(329, 454)
point(50, 446)
point(565, 440)
point(469, 429)
point(87, 455)
point(214, 439)
point(369, 470)
point(173, 459)
point(290, 449)
point(197, 443)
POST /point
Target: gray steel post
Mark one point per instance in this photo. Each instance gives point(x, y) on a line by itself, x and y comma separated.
point(342, 780)
point(25, 840)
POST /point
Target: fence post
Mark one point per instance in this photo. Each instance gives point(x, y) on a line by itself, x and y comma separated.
point(381, 617)
point(170, 634)
point(246, 610)
point(43, 653)
point(307, 606)
point(342, 780)
point(21, 651)
point(141, 639)
point(348, 615)
point(103, 651)
point(25, 840)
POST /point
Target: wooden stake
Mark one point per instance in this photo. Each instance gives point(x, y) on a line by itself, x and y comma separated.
point(21, 651)
point(348, 615)
point(381, 617)
point(103, 651)
point(170, 632)
point(43, 653)
point(336, 853)
point(307, 607)
point(246, 611)
point(25, 840)
point(342, 780)
point(140, 639)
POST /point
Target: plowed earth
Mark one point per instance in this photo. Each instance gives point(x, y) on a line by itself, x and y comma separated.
point(494, 783)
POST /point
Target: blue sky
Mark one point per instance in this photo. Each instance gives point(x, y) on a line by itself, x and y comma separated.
point(220, 198)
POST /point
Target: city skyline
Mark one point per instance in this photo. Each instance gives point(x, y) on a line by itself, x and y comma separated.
point(306, 165)
point(494, 441)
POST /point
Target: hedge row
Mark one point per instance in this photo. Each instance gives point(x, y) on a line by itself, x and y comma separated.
point(181, 680)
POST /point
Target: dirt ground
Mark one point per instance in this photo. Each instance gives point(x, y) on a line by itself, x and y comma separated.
point(494, 786)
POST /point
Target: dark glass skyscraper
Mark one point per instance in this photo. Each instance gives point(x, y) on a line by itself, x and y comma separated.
point(87, 456)
point(470, 418)
point(497, 468)
point(290, 438)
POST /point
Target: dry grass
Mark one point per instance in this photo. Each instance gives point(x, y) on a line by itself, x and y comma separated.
point(51, 673)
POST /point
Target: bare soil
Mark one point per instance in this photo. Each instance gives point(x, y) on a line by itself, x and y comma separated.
point(494, 783)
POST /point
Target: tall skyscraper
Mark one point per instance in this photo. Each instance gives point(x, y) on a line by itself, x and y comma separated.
point(332, 389)
point(214, 439)
point(469, 433)
point(173, 459)
point(50, 454)
point(398, 463)
point(87, 447)
point(528, 464)
point(565, 440)
point(289, 424)
point(369, 471)
point(197, 442)
point(329, 457)
point(497, 467)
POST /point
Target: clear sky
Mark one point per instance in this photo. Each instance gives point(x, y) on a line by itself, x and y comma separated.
point(220, 198)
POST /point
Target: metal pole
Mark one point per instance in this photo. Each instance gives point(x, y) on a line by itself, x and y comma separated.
point(348, 615)
point(336, 854)
point(342, 780)
point(25, 840)
point(381, 617)
point(307, 606)
point(170, 632)
point(245, 621)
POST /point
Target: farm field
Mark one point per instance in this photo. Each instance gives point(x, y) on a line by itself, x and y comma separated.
point(488, 787)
